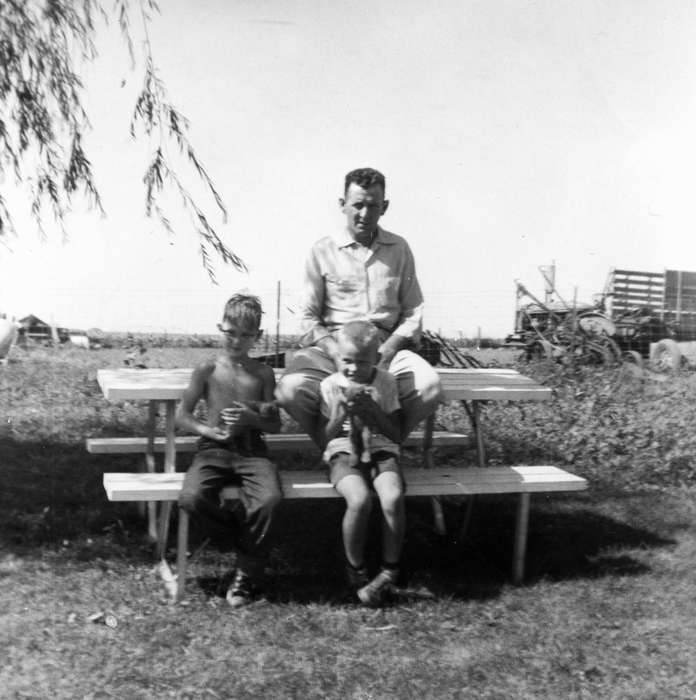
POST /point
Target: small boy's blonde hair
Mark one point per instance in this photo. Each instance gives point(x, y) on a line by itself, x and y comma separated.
point(362, 334)
point(243, 309)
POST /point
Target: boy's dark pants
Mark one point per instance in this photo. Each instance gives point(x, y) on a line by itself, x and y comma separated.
point(259, 493)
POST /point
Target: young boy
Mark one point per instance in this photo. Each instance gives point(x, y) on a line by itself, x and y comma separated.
point(378, 408)
point(237, 390)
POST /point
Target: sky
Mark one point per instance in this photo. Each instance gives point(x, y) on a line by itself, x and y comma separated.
point(513, 134)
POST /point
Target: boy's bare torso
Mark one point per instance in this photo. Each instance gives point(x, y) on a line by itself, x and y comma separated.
point(228, 382)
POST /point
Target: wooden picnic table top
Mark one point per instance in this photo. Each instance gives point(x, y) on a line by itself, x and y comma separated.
point(479, 384)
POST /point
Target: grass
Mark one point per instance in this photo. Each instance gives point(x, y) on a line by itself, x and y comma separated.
point(607, 610)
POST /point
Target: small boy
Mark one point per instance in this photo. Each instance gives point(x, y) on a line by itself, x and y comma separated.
point(238, 391)
point(377, 407)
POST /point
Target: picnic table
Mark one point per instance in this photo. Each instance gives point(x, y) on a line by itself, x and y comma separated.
point(471, 386)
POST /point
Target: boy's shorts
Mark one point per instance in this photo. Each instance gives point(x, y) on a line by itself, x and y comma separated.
point(382, 462)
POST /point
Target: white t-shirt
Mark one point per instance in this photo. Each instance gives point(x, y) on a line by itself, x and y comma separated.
point(384, 393)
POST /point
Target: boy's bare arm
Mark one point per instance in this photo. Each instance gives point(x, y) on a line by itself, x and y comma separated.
point(195, 391)
point(336, 419)
point(262, 414)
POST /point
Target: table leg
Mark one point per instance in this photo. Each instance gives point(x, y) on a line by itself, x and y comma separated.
point(466, 520)
point(169, 466)
point(427, 444)
point(163, 534)
point(151, 466)
point(474, 413)
point(478, 432)
point(438, 515)
point(169, 432)
point(521, 528)
point(181, 554)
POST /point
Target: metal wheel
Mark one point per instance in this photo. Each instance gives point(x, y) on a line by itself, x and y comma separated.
point(633, 357)
point(601, 350)
point(540, 350)
point(666, 356)
point(612, 352)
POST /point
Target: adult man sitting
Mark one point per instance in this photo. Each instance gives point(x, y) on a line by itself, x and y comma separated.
point(362, 272)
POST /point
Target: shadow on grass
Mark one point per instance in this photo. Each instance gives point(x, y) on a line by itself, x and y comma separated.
point(52, 498)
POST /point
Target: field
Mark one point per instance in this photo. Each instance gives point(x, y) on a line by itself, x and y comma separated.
point(608, 609)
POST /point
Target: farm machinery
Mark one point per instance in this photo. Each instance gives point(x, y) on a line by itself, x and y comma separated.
point(558, 330)
point(655, 315)
point(638, 316)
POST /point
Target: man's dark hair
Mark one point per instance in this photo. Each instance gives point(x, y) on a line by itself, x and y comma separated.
point(365, 178)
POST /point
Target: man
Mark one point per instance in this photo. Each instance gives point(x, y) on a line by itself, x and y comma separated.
point(361, 273)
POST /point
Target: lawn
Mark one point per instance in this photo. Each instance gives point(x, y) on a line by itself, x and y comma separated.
point(608, 608)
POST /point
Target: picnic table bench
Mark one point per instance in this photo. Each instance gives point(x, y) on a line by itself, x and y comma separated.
point(470, 386)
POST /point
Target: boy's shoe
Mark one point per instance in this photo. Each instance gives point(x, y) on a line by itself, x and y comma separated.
point(241, 591)
point(357, 578)
point(374, 592)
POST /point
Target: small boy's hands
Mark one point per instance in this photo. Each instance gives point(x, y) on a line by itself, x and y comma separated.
point(362, 405)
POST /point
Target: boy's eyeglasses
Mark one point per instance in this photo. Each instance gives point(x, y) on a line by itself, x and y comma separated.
point(231, 333)
point(226, 331)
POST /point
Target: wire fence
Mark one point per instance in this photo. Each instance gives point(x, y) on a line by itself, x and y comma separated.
point(457, 314)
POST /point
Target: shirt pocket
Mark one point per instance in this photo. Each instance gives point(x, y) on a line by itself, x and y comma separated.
point(343, 287)
point(387, 292)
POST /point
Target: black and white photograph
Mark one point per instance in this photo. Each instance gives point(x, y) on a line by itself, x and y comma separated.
point(347, 350)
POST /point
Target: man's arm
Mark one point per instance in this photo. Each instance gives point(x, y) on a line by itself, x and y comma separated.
point(408, 330)
point(390, 347)
point(313, 294)
point(312, 322)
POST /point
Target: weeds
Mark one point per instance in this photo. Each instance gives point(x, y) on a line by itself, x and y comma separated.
point(607, 610)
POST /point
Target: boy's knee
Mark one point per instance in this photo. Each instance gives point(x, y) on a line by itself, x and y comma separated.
point(359, 501)
point(191, 501)
point(270, 500)
point(290, 387)
point(392, 501)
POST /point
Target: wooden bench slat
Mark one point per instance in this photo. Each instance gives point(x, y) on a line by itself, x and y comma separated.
point(313, 484)
point(280, 441)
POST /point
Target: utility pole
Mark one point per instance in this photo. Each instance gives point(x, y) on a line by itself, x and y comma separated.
point(277, 348)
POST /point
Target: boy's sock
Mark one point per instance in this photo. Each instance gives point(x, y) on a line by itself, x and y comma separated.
point(245, 585)
point(391, 567)
point(356, 575)
point(375, 592)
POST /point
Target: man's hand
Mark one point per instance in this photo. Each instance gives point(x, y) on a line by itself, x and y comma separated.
point(385, 358)
point(330, 347)
point(389, 348)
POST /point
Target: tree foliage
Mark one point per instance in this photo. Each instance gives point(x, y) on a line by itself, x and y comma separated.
point(43, 120)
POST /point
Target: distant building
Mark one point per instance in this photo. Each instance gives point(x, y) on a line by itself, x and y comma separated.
point(33, 328)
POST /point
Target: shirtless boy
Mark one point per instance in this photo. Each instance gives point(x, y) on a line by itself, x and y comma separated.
point(238, 392)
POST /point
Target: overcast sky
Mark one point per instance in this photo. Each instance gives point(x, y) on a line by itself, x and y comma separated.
point(512, 134)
